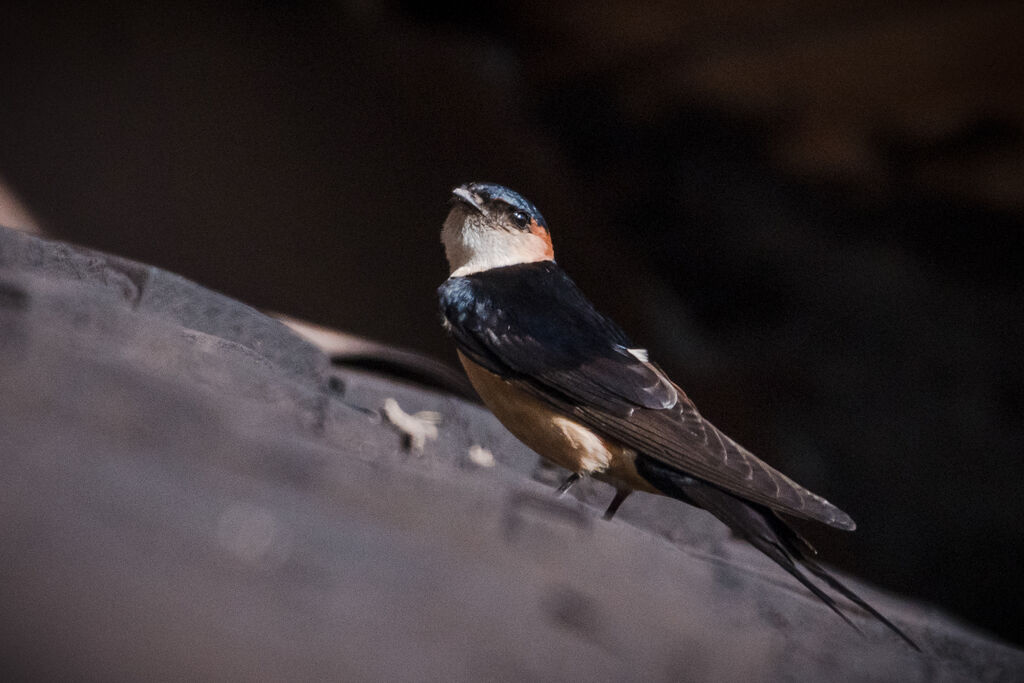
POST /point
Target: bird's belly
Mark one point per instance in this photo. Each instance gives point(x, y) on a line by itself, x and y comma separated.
point(557, 437)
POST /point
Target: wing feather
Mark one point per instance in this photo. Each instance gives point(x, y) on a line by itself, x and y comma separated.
point(531, 325)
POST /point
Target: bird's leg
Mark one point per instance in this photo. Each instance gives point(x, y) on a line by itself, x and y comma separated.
point(569, 481)
point(620, 495)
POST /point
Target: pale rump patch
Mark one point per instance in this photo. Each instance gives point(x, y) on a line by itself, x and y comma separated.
point(593, 454)
point(557, 437)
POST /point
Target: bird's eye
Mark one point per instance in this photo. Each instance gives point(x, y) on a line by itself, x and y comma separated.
point(520, 218)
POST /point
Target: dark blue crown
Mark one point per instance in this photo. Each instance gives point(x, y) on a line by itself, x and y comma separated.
point(492, 191)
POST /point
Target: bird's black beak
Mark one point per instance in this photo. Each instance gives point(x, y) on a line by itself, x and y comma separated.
point(460, 195)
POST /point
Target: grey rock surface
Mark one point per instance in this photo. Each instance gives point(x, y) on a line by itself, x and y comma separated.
point(191, 490)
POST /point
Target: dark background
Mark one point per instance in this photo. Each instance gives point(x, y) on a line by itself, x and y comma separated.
point(810, 212)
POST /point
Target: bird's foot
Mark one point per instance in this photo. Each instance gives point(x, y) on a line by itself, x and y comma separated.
point(568, 483)
point(620, 495)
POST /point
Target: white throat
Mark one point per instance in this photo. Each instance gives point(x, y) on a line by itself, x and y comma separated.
point(472, 246)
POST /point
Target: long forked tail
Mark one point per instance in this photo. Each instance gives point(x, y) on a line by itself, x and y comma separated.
point(763, 529)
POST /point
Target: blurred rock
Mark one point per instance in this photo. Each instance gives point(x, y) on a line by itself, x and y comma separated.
point(810, 212)
point(191, 491)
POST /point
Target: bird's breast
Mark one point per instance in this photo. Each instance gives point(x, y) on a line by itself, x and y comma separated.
point(561, 439)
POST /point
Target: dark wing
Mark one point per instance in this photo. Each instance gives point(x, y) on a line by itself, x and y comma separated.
point(532, 325)
point(531, 321)
point(679, 436)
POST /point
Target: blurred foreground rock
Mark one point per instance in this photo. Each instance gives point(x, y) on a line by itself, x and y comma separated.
point(810, 212)
point(191, 490)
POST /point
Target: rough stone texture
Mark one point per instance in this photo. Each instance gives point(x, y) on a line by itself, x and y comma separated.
point(190, 490)
point(810, 212)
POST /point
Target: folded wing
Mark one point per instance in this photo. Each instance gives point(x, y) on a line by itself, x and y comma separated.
point(531, 325)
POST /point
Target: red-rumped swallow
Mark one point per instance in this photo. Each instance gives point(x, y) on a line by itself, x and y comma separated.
point(568, 382)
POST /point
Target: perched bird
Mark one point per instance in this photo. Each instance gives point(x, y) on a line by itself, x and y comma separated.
point(568, 382)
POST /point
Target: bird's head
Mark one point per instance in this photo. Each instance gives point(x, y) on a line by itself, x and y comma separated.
point(490, 226)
